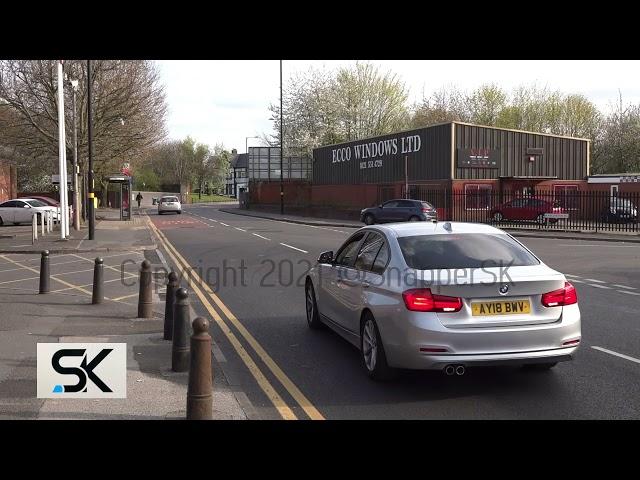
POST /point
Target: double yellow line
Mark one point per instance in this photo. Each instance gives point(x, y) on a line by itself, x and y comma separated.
point(204, 293)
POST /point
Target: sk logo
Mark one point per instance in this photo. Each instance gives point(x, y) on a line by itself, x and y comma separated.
point(82, 370)
point(85, 371)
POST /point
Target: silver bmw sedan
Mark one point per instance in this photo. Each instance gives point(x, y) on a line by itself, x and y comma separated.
point(443, 296)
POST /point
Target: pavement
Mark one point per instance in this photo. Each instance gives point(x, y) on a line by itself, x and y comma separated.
point(533, 231)
point(67, 315)
point(253, 272)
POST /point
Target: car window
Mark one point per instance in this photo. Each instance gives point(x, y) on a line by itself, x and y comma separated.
point(516, 203)
point(405, 204)
point(469, 250)
point(36, 203)
point(9, 204)
point(380, 263)
point(427, 205)
point(168, 199)
point(368, 251)
point(20, 204)
point(391, 204)
point(347, 254)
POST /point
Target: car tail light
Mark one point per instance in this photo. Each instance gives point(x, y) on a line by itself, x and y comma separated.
point(560, 297)
point(422, 300)
point(571, 342)
point(424, 209)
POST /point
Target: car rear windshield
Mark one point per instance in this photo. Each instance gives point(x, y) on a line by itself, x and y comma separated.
point(169, 199)
point(427, 205)
point(468, 250)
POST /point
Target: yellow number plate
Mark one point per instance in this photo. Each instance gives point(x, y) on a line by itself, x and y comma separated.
point(513, 307)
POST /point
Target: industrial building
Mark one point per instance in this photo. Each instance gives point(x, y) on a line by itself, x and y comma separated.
point(481, 162)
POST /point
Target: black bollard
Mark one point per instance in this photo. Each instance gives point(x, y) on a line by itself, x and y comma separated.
point(98, 275)
point(172, 285)
point(145, 299)
point(200, 391)
point(44, 272)
point(180, 347)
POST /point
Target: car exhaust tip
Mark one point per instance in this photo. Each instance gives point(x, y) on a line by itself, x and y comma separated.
point(460, 369)
point(449, 370)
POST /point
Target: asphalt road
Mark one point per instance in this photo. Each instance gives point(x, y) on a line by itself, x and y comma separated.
point(269, 259)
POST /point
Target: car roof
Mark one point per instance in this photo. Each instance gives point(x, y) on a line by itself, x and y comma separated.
point(165, 196)
point(406, 229)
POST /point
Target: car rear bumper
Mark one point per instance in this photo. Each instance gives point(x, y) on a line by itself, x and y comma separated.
point(169, 208)
point(409, 341)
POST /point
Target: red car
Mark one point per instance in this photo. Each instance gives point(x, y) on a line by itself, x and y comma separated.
point(526, 209)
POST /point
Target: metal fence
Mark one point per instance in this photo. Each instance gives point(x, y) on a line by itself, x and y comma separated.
point(558, 209)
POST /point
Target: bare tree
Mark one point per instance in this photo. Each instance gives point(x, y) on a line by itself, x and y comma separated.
point(129, 111)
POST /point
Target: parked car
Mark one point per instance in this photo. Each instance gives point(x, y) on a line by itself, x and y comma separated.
point(21, 210)
point(169, 204)
point(428, 319)
point(620, 210)
point(54, 203)
point(526, 209)
point(400, 210)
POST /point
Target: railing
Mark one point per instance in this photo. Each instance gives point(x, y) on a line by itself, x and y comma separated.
point(591, 211)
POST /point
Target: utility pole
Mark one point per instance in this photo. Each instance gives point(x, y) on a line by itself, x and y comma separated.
point(76, 193)
point(62, 160)
point(91, 212)
point(281, 145)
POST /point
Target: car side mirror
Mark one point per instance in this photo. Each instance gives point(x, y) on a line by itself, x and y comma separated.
point(27, 206)
point(326, 257)
point(380, 206)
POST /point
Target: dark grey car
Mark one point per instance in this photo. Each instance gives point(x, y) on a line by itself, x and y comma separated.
point(400, 210)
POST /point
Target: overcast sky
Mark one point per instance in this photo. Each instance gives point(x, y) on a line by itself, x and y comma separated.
point(218, 101)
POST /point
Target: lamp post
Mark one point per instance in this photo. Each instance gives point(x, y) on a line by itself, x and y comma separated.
point(64, 220)
point(281, 145)
point(76, 193)
point(92, 217)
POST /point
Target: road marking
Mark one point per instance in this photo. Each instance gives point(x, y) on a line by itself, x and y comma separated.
point(628, 292)
point(599, 246)
point(25, 245)
point(599, 286)
point(283, 409)
point(117, 299)
point(594, 280)
point(624, 286)
point(224, 224)
point(572, 276)
point(257, 235)
point(241, 229)
point(295, 248)
point(611, 352)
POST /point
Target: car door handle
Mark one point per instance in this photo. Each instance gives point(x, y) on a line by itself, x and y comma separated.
point(365, 285)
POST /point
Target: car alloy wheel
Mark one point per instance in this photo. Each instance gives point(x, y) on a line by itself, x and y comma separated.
point(540, 219)
point(368, 219)
point(369, 345)
point(311, 306)
point(372, 350)
point(498, 217)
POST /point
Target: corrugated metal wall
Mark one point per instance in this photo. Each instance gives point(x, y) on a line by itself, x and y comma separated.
point(563, 157)
point(431, 161)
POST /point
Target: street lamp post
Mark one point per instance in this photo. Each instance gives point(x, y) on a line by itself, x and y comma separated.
point(64, 220)
point(76, 193)
point(281, 145)
point(92, 217)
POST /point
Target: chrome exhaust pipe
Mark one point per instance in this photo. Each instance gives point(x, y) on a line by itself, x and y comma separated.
point(449, 370)
point(460, 370)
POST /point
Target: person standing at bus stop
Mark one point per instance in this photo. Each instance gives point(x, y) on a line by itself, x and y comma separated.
point(139, 198)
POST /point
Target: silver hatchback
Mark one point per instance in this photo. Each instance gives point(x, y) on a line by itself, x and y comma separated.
point(443, 296)
point(169, 204)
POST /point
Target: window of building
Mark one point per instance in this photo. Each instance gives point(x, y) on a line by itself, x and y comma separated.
point(477, 196)
point(567, 196)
